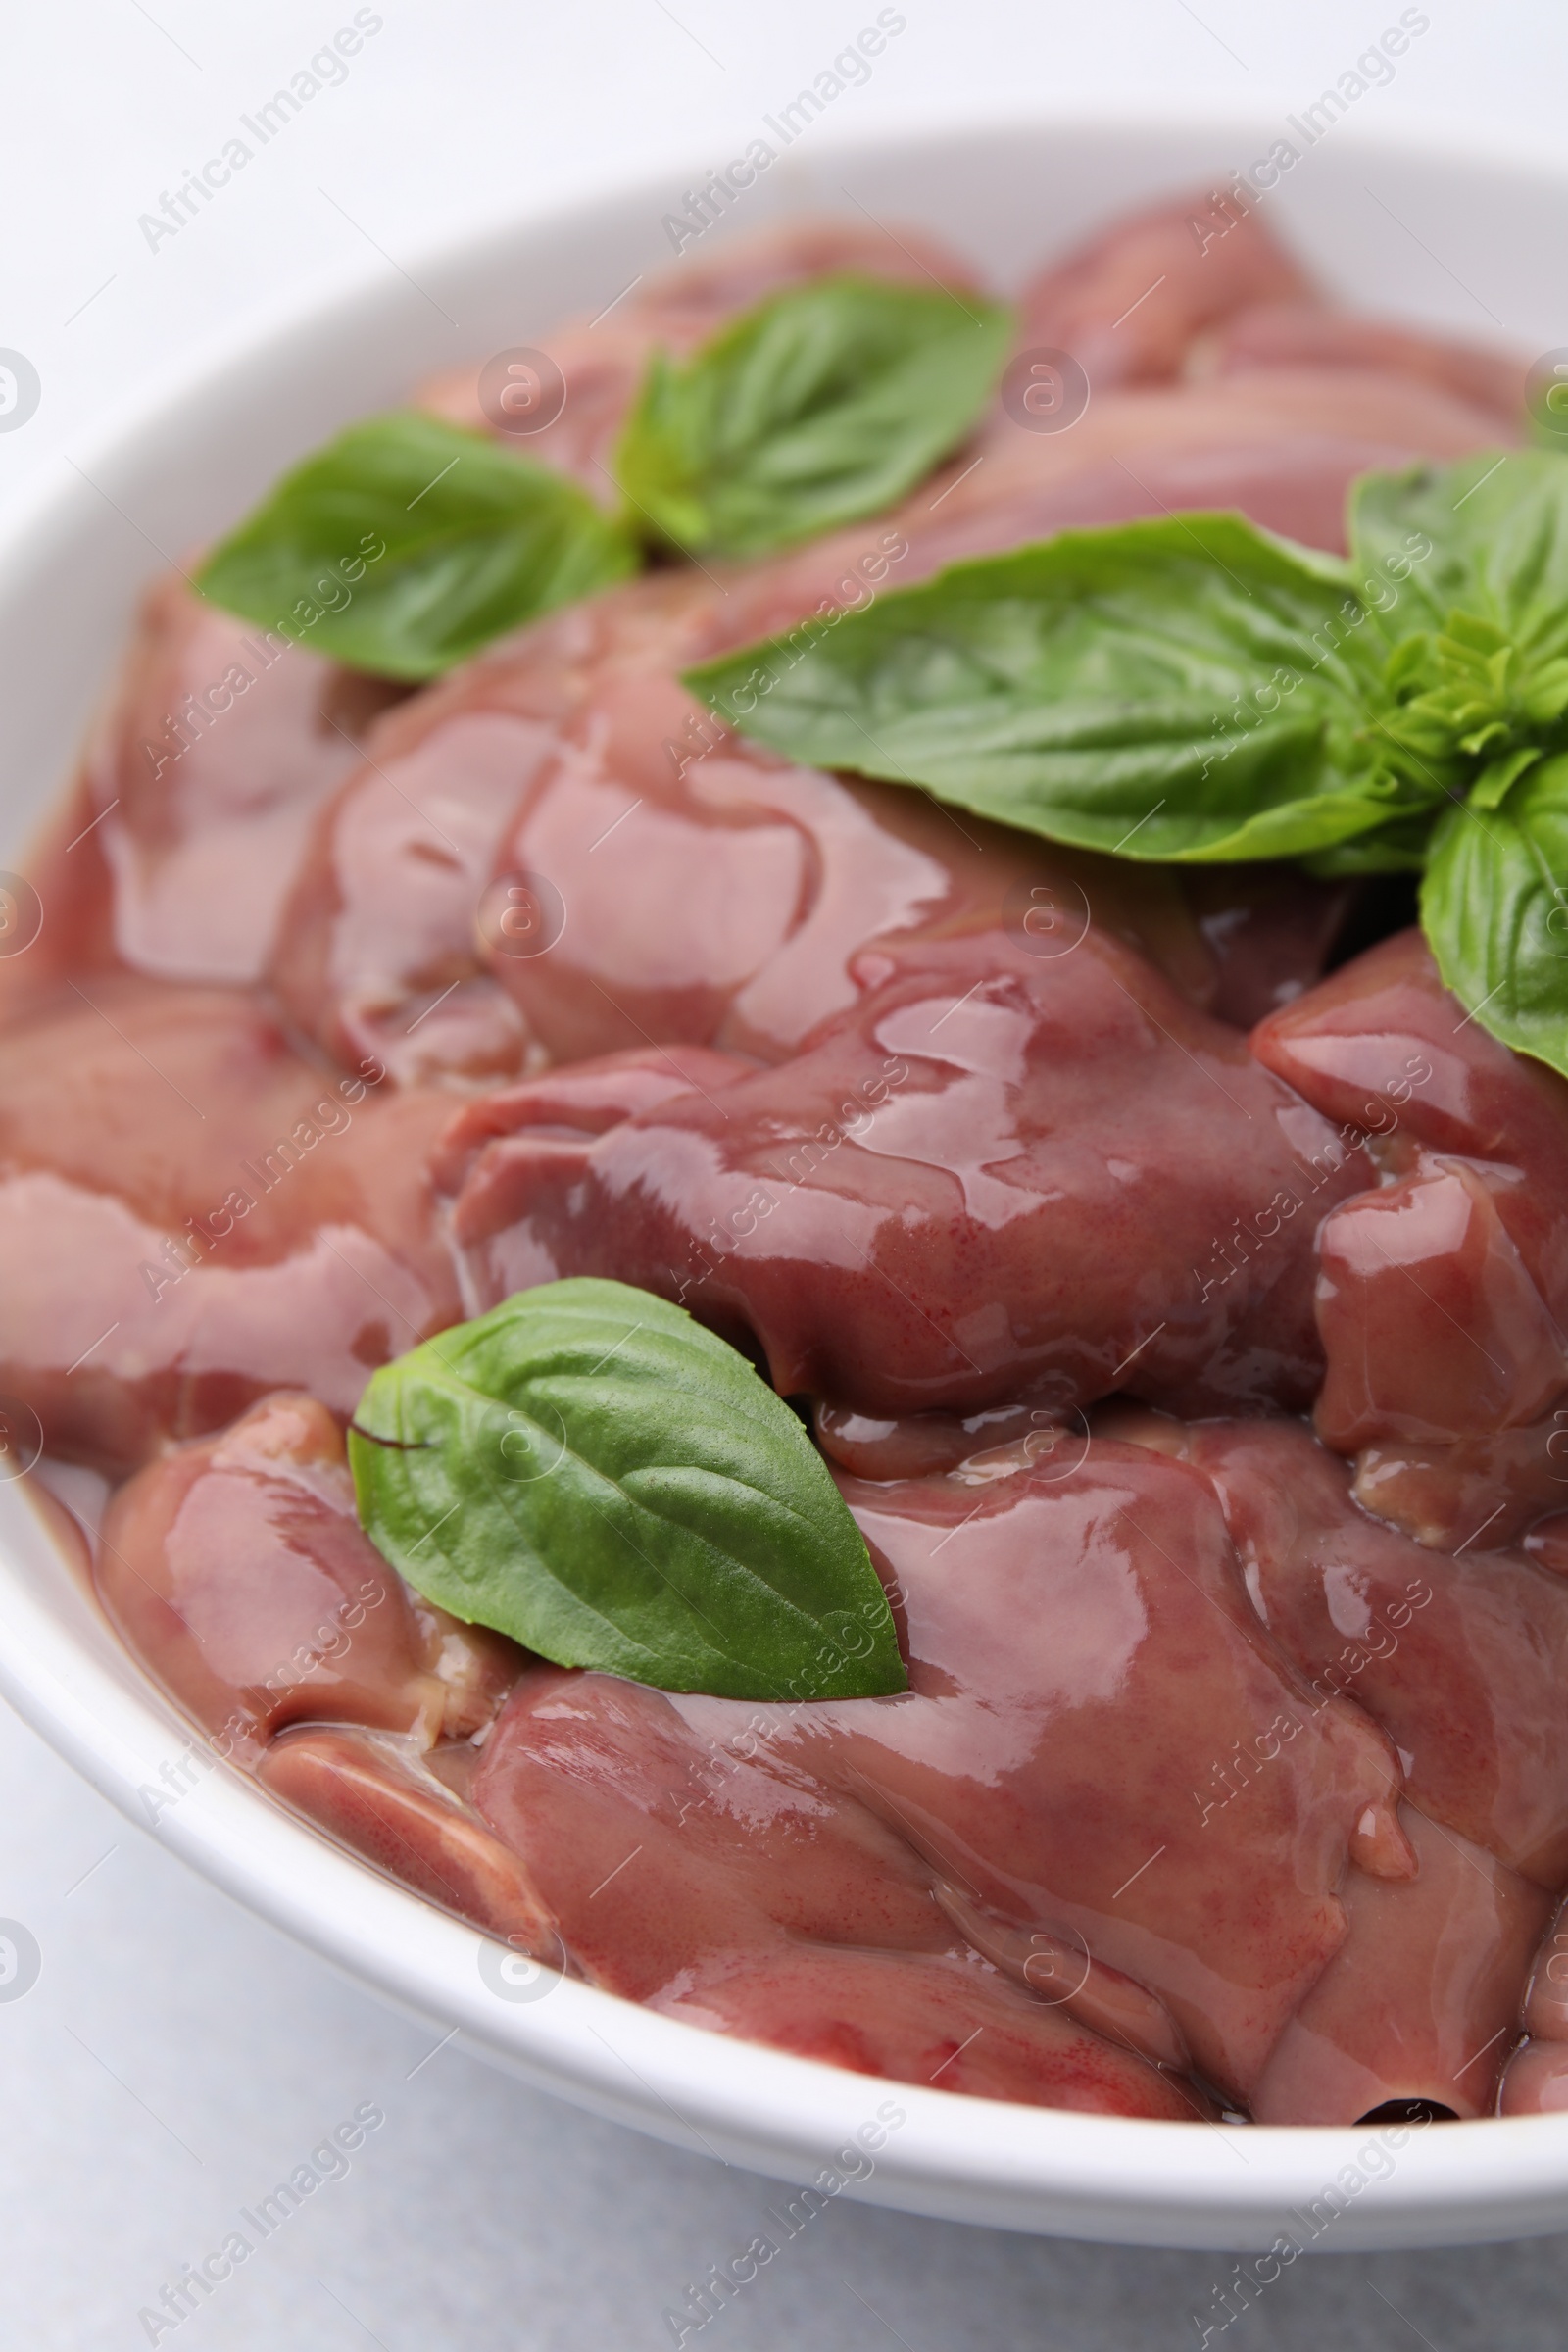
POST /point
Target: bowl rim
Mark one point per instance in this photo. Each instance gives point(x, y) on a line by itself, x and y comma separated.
point(1048, 2169)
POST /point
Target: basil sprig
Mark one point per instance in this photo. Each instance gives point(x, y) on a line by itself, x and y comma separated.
point(823, 402)
point(590, 1471)
point(406, 543)
point(1195, 690)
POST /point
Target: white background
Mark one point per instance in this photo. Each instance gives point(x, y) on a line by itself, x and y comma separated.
point(175, 2059)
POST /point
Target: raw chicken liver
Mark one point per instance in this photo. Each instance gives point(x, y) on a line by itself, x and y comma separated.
point(996, 1176)
point(191, 1215)
point(1080, 1651)
point(1443, 1298)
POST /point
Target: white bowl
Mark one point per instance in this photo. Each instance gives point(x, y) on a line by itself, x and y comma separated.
point(1374, 218)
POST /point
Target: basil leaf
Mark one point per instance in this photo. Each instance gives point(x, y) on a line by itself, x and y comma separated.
point(1187, 688)
point(1468, 568)
point(1494, 906)
point(824, 402)
point(1496, 526)
point(1396, 848)
point(590, 1471)
point(406, 544)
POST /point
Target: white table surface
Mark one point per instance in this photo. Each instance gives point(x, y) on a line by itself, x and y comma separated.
point(174, 2058)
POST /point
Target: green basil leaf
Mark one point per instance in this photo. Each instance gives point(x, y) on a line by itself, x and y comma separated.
point(1399, 848)
point(1494, 783)
point(1494, 906)
point(1187, 688)
point(1466, 567)
point(590, 1471)
point(406, 543)
point(1496, 528)
point(823, 402)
